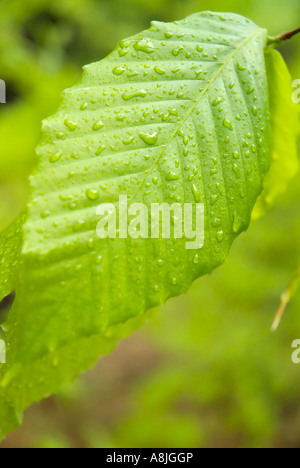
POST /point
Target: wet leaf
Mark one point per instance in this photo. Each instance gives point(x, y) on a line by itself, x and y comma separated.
point(176, 114)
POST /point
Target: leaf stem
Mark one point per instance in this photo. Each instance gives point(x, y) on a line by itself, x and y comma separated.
point(275, 41)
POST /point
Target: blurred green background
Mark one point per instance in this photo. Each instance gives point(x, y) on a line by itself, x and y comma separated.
point(205, 371)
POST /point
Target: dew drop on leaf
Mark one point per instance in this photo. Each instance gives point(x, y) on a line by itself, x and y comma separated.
point(144, 46)
point(159, 70)
point(119, 70)
point(196, 259)
point(55, 157)
point(220, 236)
point(241, 67)
point(196, 193)
point(70, 125)
point(172, 176)
point(127, 96)
point(227, 124)
point(149, 138)
point(217, 101)
point(100, 149)
point(92, 194)
point(237, 222)
point(98, 125)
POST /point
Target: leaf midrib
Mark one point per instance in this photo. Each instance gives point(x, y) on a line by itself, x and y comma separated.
point(193, 107)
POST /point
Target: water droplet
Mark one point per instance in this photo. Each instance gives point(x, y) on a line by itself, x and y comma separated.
point(216, 222)
point(66, 197)
point(196, 193)
point(55, 157)
point(217, 101)
point(132, 74)
point(149, 138)
point(134, 94)
point(227, 124)
point(241, 67)
point(237, 223)
point(213, 199)
point(196, 259)
point(220, 236)
point(70, 125)
point(98, 125)
point(123, 52)
point(129, 141)
point(99, 260)
point(176, 52)
point(92, 194)
point(119, 70)
point(185, 138)
point(236, 169)
point(173, 112)
point(159, 70)
point(172, 176)
point(144, 46)
point(100, 149)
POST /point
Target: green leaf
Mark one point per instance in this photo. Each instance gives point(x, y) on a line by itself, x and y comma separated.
point(285, 128)
point(178, 113)
point(10, 248)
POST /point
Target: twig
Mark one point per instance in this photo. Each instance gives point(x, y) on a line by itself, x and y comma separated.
point(283, 37)
point(286, 297)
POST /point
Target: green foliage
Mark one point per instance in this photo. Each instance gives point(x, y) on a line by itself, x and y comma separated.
point(285, 125)
point(204, 136)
